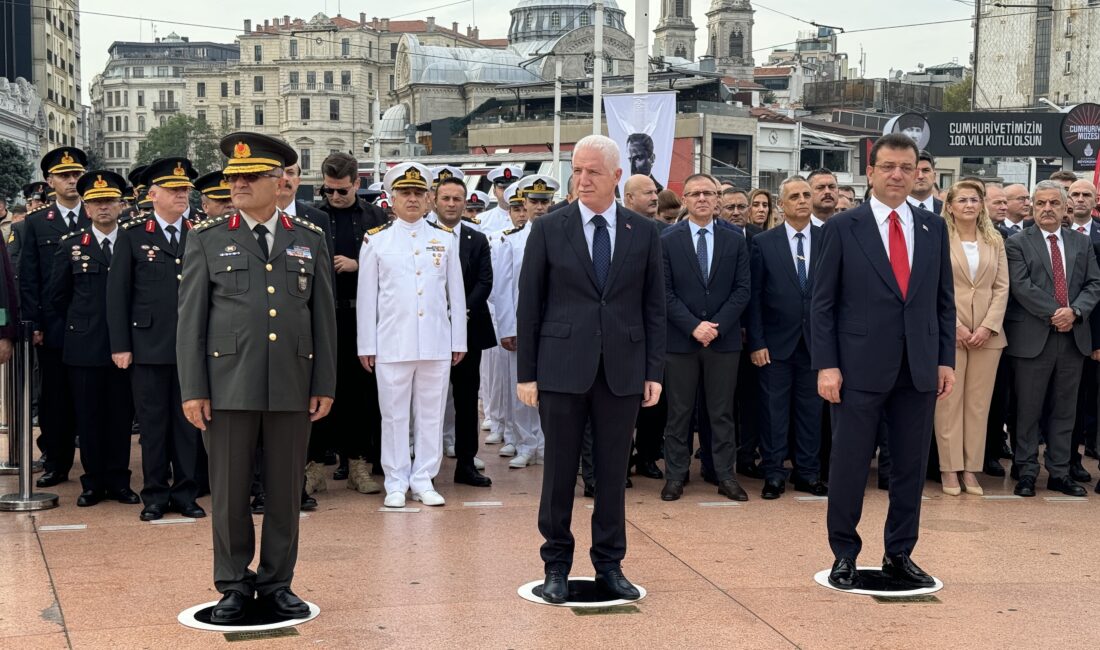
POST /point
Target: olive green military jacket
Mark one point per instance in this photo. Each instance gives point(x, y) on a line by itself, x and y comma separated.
point(256, 334)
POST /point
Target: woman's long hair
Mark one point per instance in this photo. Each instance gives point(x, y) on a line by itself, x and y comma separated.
point(986, 229)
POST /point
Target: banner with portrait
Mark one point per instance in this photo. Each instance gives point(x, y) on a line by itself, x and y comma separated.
point(643, 125)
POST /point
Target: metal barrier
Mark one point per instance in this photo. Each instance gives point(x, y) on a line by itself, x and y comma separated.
point(21, 427)
point(7, 393)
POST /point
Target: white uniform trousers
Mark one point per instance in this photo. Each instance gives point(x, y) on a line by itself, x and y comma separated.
point(419, 389)
point(525, 419)
point(449, 418)
point(500, 406)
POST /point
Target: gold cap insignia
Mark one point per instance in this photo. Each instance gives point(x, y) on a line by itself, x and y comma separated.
point(242, 150)
point(445, 174)
point(539, 186)
point(99, 182)
point(66, 159)
point(412, 174)
point(507, 173)
point(223, 185)
point(179, 170)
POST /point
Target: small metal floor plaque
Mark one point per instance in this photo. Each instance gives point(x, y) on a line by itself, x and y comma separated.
point(921, 599)
point(63, 527)
point(261, 635)
point(613, 609)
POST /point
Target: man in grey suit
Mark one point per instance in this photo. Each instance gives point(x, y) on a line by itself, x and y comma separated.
point(256, 348)
point(1055, 283)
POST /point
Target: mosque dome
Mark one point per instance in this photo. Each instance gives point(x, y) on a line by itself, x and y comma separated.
point(543, 20)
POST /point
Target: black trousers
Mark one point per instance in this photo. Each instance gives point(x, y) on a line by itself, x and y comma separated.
point(1084, 427)
point(649, 435)
point(465, 381)
point(1000, 412)
point(788, 395)
point(715, 375)
point(856, 422)
point(563, 418)
point(353, 426)
point(56, 417)
point(747, 412)
point(169, 444)
point(104, 418)
point(1059, 366)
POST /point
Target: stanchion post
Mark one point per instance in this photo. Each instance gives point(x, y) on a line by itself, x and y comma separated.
point(7, 392)
point(26, 499)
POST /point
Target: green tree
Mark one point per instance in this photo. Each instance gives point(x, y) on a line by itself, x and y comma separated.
point(95, 160)
point(956, 97)
point(182, 136)
point(15, 170)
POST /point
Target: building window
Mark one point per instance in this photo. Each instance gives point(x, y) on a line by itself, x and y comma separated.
point(126, 123)
point(305, 108)
point(393, 51)
point(737, 44)
point(225, 89)
point(680, 52)
point(345, 79)
point(126, 98)
point(225, 118)
point(1069, 61)
point(201, 115)
point(294, 80)
point(139, 73)
point(294, 48)
point(258, 52)
point(258, 114)
point(345, 47)
point(126, 149)
point(334, 110)
point(679, 8)
point(162, 71)
point(110, 100)
point(237, 87)
point(200, 89)
point(555, 20)
point(392, 86)
point(311, 80)
point(528, 19)
point(237, 118)
point(141, 124)
point(370, 80)
point(370, 50)
point(583, 20)
point(258, 84)
point(304, 159)
point(162, 120)
point(607, 18)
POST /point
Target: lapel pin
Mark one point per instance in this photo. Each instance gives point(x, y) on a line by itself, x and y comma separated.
point(628, 225)
point(925, 227)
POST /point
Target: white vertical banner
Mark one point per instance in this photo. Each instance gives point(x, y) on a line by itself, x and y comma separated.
point(643, 125)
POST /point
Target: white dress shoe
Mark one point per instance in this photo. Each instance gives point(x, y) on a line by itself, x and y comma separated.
point(429, 498)
point(478, 463)
point(395, 500)
point(494, 438)
point(486, 424)
point(539, 458)
point(508, 450)
point(449, 451)
point(520, 461)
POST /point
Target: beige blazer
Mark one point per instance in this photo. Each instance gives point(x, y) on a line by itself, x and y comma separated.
point(981, 301)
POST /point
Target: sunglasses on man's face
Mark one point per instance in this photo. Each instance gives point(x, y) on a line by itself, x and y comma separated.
point(229, 179)
point(342, 191)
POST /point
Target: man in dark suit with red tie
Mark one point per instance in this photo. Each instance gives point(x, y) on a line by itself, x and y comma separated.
point(591, 338)
point(883, 343)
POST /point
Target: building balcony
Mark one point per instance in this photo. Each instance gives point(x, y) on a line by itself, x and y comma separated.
point(166, 107)
point(341, 89)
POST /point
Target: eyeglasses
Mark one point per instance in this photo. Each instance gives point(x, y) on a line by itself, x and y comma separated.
point(737, 207)
point(968, 200)
point(329, 191)
point(890, 168)
point(229, 179)
point(705, 194)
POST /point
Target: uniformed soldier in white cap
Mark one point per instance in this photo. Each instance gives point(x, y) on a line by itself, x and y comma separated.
point(537, 194)
point(476, 203)
point(410, 282)
point(496, 220)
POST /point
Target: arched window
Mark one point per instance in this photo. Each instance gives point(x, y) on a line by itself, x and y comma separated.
point(679, 11)
point(713, 50)
point(737, 44)
point(527, 19)
point(583, 20)
point(607, 18)
point(141, 124)
point(680, 52)
point(555, 20)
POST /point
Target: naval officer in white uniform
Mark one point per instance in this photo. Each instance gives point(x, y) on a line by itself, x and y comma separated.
point(410, 283)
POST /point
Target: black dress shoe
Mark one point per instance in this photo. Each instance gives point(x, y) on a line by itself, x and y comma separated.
point(589, 489)
point(710, 477)
point(192, 510)
point(230, 608)
point(1066, 486)
point(1078, 473)
point(816, 487)
point(257, 505)
point(731, 489)
point(672, 490)
point(308, 503)
point(555, 588)
point(843, 574)
point(152, 512)
point(89, 498)
point(125, 495)
point(993, 468)
point(1025, 488)
point(283, 602)
point(469, 475)
point(902, 569)
point(613, 583)
point(341, 473)
point(50, 479)
point(648, 469)
point(751, 470)
point(773, 488)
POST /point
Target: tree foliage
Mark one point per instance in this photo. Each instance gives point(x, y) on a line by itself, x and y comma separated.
point(15, 170)
point(184, 136)
point(956, 97)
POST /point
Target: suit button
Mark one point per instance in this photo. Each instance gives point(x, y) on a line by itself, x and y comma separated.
point(603, 303)
point(216, 355)
point(704, 313)
point(418, 272)
point(272, 313)
point(420, 292)
point(179, 277)
point(272, 336)
point(229, 268)
point(271, 289)
point(599, 333)
point(179, 261)
point(267, 267)
point(416, 252)
point(707, 292)
point(420, 313)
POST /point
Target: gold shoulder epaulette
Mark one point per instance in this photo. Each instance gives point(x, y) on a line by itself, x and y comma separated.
point(441, 227)
point(473, 220)
point(512, 231)
point(137, 220)
point(378, 229)
point(308, 224)
point(205, 225)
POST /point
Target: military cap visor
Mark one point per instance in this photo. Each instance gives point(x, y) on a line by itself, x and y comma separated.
point(63, 160)
point(253, 153)
point(170, 172)
point(213, 186)
point(100, 184)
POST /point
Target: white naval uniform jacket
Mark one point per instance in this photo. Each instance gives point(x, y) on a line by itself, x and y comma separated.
point(494, 221)
point(505, 295)
point(410, 282)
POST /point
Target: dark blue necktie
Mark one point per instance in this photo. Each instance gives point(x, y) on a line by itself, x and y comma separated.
point(601, 250)
point(800, 253)
point(701, 253)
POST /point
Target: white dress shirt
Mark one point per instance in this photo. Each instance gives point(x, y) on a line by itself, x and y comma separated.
point(695, 230)
point(793, 241)
point(291, 208)
point(270, 224)
point(111, 236)
point(1061, 249)
point(814, 221)
point(74, 211)
point(1087, 226)
point(970, 248)
point(590, 228)
point(927, 204)
point(1014, 226)
point(179, 228)
point(882, 219)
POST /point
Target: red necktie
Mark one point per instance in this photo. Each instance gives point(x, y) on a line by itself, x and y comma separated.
point(1081, 229)
point(1061, 294)
point(899, 254)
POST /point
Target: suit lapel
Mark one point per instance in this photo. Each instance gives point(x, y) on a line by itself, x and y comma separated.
point(1038, 241)
point(866, 233)
point(958, 256)
point(95, 250)
point(923, 241)
point(624, 237)
point(1070, 246)
point(720, 243)
point(692, 254)
point(574, 234)
point(783, 250)
point(283, 238)
point(985, 259)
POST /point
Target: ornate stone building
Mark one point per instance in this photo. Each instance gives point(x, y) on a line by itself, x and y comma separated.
point(729, 37)
point(22, 120)
point(675, 33)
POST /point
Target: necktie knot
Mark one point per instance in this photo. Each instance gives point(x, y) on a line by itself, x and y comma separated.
point(894, 217)
point(599, 222)
point(1081, 229)
point(799, 235)
point(1053, 238)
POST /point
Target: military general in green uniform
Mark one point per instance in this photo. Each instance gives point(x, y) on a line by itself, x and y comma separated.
point(256, 343)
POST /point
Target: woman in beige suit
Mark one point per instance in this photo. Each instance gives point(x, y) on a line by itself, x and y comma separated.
point(981, 294)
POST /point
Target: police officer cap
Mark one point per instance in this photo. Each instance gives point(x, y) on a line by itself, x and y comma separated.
point(477, 200)
point(512, 195)
point(169, 172)
point(213, 186)
point(538, 186)
point(135, 177)
point(408, 175)
point(62, 160)
point(505, 174)
point(444, 172)
point(35, 190)
point(100, 184)
point(254, 153)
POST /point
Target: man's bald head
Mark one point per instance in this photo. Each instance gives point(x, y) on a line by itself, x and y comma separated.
point(1019, 202)
point(1082, 200)
point(640, 195)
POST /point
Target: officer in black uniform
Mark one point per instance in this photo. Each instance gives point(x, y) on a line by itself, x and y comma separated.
point(45, 227)
point(101, 396)
point(214, 193)
point(142, 304)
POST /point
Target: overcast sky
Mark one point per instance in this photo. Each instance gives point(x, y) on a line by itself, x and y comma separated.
point(886, 50)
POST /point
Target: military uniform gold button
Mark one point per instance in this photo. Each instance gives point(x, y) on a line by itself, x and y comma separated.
point(179, 277)
point(420, 313)
point(420, 292)
point(272, 336)
point(179, 261)
point(416, 252)
point(271, 289)
point(272, 313)
point(216, 355)
point(267, 267)
point(229, 268)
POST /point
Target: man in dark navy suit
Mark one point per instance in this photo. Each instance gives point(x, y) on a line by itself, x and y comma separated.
point(923, 194)
point(779, 340)
point(883, 343)
point(591, 337)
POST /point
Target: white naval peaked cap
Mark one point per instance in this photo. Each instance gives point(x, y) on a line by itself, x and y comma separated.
point(538, 186)
point(408, 174)
point(447, 171)
point(505, 174)
point(477, 199)
point(512, 195)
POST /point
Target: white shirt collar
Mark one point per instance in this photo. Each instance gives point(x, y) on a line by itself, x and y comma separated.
point(695, 228)
point(291, 208)
point(1056, 233)
point(587, 214)
point(75, 209)
point(252, 223)
point(882, 211)
point(99, 236)
point(1087, 226)
point(791, 232)
point(164, 224)
point(929, 203)
point(1010, 223)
